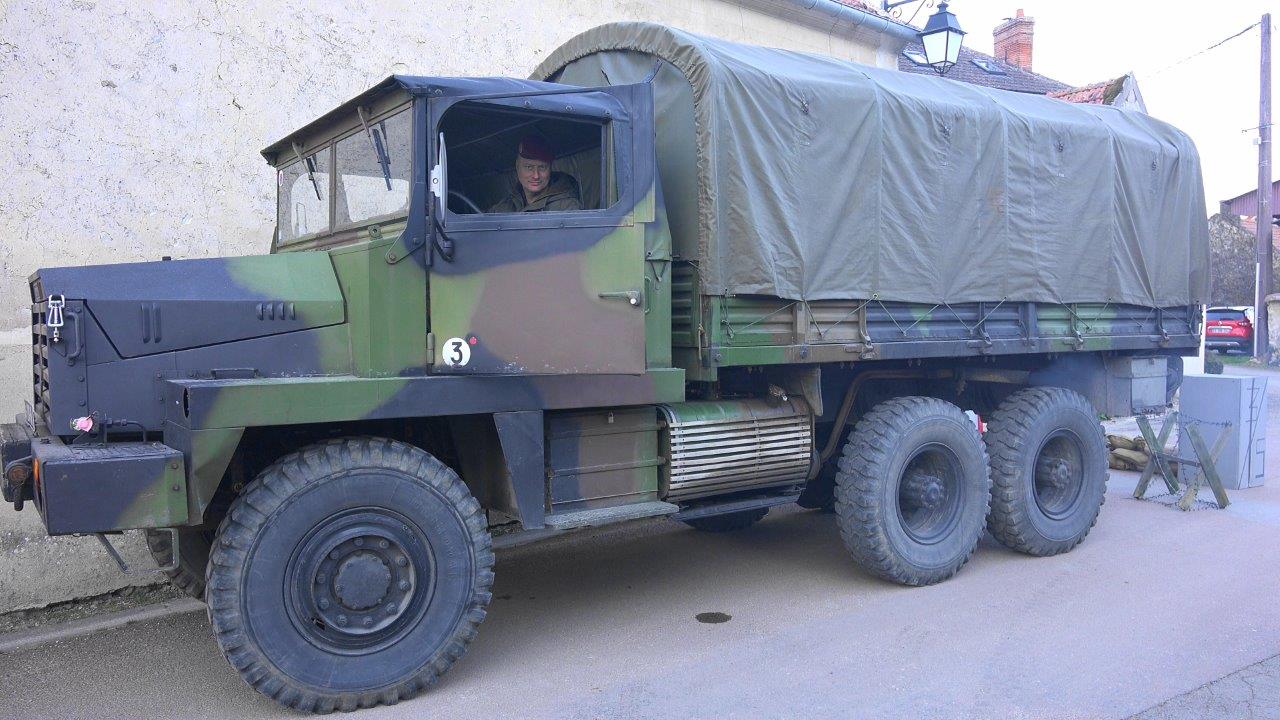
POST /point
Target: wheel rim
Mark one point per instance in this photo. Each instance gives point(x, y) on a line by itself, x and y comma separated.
point(1059, 474)
point(929, 494)
point(359, 581)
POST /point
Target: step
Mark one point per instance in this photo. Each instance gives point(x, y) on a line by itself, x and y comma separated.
point(724, 508)
point(607, 515)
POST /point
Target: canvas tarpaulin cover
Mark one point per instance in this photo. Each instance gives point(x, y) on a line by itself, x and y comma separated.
point(813, 178)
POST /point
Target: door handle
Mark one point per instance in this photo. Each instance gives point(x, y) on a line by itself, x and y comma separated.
point(631, 296)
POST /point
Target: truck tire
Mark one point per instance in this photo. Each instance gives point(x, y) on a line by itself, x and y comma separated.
point(729, 521)
point(385, 562)
point(193, 558)
point(912, 490)
point(1048, 470)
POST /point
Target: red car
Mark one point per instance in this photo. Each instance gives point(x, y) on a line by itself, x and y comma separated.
point(1228, 329)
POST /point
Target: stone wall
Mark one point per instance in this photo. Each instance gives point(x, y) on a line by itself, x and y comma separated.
point(133, 129)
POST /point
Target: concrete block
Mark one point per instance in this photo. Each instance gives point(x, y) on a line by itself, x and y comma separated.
point(1241, 401)
point(37, 570)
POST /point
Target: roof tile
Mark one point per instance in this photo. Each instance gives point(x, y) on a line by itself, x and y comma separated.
point(965, 70)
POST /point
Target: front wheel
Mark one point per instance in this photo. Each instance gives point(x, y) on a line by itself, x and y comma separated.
point(349, 574)
point(912, 490)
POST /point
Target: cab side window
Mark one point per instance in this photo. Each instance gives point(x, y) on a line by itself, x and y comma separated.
point(502, 160)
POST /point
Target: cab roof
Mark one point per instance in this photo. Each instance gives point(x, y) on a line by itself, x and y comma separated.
point(411, 85)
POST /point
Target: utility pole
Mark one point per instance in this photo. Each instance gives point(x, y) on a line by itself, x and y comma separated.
point(1264, 196)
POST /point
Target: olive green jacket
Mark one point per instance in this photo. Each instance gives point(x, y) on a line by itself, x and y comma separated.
point(560, 194)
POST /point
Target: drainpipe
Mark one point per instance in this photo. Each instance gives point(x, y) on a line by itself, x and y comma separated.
point(835, 15)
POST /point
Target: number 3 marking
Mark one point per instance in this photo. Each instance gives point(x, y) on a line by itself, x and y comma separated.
point(456, 352)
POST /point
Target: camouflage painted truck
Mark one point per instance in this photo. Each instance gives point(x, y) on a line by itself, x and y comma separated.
point(791, 280)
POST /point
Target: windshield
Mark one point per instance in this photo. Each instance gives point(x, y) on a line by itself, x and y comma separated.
point(303, 189)
point(373, 171)
point(368, 173)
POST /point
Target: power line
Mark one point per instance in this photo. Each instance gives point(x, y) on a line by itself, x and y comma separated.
point(1202, 52)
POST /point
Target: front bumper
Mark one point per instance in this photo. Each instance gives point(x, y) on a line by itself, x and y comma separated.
point(94, 487)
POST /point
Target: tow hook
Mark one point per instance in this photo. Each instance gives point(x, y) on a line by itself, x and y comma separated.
point(15, 488)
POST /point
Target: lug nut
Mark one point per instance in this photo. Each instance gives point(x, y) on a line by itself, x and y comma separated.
point(368, 622)
point(342, 619)
point(404, 585)
point(324, 604)
point(391, 608)
point(359, 542)
point(334, 554)
point(402, 561)
point(384, 544)
point(320, 579)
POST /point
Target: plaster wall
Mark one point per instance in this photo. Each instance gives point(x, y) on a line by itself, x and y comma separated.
point(133, 129)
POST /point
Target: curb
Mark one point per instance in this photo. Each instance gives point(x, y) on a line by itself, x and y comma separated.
point(25, 639)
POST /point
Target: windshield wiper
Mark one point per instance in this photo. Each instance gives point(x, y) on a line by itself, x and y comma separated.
point(310, 164)
point(376, 137)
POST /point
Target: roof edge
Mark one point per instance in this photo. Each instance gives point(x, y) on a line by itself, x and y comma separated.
point(830, 10)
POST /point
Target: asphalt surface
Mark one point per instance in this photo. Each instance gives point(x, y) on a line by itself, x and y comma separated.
point(1159, 613)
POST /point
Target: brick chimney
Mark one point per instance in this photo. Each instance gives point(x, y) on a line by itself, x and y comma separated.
point(1013, 40)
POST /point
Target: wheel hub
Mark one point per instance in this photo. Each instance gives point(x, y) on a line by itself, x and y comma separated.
point(1059, 476)
point(924, 490)
point(354, 589)
point(930, 494)
point(1054, 471)
point(362, 581)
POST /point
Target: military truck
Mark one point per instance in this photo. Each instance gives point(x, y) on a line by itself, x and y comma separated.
point(791, 279)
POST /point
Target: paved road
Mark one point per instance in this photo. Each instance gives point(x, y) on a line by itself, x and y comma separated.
point(1146, 615)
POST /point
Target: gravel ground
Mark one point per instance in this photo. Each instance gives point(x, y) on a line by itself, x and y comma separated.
point(123, 599)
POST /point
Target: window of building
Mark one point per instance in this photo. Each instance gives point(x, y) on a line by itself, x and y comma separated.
point(988, 66)
point(916, 57)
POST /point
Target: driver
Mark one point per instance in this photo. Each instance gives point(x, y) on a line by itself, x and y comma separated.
point(537, 188)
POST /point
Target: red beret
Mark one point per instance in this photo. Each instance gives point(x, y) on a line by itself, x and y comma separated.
point(533, 147)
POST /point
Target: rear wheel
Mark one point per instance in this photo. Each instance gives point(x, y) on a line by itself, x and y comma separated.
point(912, 490)
point(350, 574)
point(729, 521)
point(1048, 469)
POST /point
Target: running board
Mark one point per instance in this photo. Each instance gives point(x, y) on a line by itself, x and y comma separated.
point(693, 512)
point(609, 515)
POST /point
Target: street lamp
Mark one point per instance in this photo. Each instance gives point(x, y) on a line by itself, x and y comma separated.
point(942, 38)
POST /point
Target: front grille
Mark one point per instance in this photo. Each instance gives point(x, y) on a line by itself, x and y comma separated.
point(40, 362)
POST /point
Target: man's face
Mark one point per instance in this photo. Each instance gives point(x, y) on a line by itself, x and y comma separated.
point(533, 175)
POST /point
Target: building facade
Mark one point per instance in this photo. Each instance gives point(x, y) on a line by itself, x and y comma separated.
point(134, 131)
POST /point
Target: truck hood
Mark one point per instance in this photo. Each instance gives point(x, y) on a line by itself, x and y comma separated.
point(154, 307)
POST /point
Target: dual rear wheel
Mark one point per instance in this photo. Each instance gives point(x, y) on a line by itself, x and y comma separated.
point(917, 484)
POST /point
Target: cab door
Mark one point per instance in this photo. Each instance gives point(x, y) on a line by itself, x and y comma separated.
point(551, 292)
